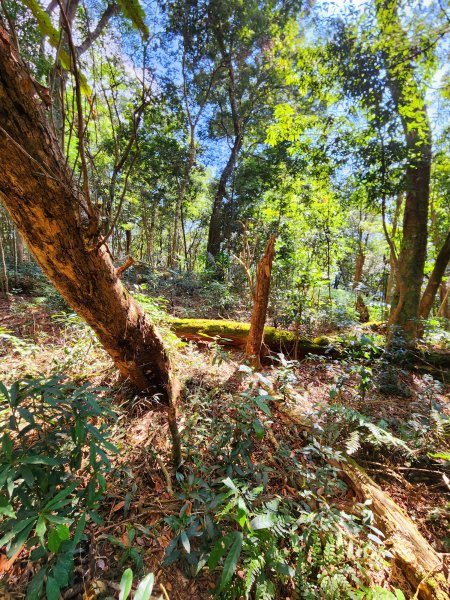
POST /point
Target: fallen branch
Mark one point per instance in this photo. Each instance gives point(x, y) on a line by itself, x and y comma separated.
point(422, 566)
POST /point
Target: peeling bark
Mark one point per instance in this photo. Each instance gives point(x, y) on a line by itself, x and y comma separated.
point(260, 303)
point(41, 195)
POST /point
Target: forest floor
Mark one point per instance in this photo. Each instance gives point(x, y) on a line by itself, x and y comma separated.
point(143, 497)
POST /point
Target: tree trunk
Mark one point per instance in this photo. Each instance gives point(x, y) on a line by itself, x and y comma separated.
point(444, 307)
point(435, 279)
point(20, 248)
point(391, 278)
point(360, 305)
point(404, 89)
point(41, 196)
point(215, 223)
point(4, 277)
point(260, 303)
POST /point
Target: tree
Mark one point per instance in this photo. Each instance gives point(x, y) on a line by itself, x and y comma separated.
point(409, 100)
point(61, 228)
point(260, 303)
point(435, 279)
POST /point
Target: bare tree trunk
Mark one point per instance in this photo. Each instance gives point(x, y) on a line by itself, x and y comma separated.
point(41, 195)
point(403, 321)
point(4, 279)
point(435, 279)
point(391, 278)
point(360, 305)
point(444, 307)
point(260, 303)
point(20, 248)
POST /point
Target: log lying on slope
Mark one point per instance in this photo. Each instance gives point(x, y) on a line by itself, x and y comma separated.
point(235, 333)
point(422, 567)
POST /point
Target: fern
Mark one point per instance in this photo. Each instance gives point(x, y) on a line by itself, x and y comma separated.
point(353, 442)
point(253, 569)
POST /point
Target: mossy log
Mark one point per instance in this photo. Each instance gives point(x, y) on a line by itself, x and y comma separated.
point(422, 567)
point(234, 333)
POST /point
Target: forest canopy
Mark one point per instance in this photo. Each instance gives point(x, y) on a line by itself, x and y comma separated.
point(224, 278)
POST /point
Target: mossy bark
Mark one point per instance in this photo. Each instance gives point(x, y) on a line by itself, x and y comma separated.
point(235, 333)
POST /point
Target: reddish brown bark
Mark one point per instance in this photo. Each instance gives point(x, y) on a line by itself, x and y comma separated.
point(42, 197)
point(435, 279)
point(260, 303)
point(403, 321)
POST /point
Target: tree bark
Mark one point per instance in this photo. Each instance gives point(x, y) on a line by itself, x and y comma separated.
point(391, 278)
point(435, 279)
point(444, 307)
point(42, 197)
point(360, 305)
point(215, 223)
point(260, 303)
point(404, 89)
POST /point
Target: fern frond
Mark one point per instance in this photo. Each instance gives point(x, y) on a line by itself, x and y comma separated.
point(253, 568)
point(353, 442)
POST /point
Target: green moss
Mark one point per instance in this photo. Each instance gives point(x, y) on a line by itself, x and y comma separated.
point(237, 332)
point(322, 340)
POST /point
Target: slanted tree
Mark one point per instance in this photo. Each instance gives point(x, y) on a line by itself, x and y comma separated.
point(435, 278)
point(61, 229)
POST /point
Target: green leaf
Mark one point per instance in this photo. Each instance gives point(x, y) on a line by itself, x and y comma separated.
point(54, 541)
point(218, 551)
point(231, 560)
point(145, 588)
point(27, 474)
point(185, 541)
point(60, 495)
point(262, 405)
point(229, 483)
point(6, 508)
point(52, 589)
point(261, 522)
point(20, 540)
point(34, 590)
point(125, 584)
point(16, 529)
point(133, 10)
point(7, 446)
point(41, 528)
point(258, 428)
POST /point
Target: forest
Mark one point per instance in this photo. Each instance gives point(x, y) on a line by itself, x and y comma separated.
point(224, 299)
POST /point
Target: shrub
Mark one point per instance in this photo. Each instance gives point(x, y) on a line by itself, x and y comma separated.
point(52, 473)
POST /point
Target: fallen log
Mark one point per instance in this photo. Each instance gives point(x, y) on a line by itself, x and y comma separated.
point(235, 333)
point(422, 567)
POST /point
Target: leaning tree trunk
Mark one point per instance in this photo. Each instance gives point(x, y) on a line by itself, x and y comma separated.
point(41, 195)
point(405, 91)
point(260, 303)
point(435, 279)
